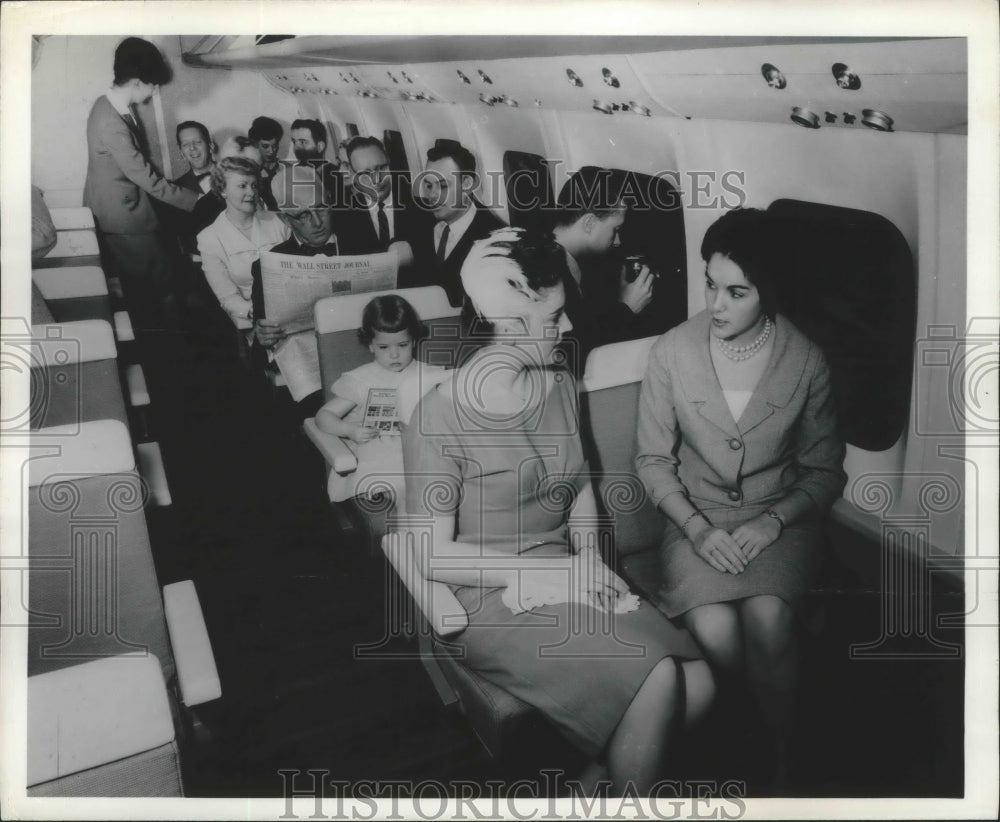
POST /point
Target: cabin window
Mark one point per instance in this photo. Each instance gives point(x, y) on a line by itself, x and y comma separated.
point(846, 279)
point(654, 229)
point(352, 130)
point(529, 188)
point(393, 142)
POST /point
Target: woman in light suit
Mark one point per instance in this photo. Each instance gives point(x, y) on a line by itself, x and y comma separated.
point(231, 244)
point(738, 447)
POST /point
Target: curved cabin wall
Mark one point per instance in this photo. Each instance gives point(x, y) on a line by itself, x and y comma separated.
point(915, 178)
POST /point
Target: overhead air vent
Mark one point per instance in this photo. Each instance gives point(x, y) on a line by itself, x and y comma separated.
point(610, 78)
point(845, 78)
point(773, 76)
point(574, 78)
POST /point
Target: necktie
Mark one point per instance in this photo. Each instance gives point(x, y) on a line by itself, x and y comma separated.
point(443, 245)
point(330, 250)
point(383, 226)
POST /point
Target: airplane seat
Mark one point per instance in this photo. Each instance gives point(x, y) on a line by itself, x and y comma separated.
point(494, 715)
point(74, 374)
point(110, 661)
point(75, 293)
point(73, 248)
point(609, 402)
point(337, 322)
point(609, 407)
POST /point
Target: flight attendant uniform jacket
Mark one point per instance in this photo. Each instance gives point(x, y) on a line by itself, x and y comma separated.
point(785, 440)
point(120, 180)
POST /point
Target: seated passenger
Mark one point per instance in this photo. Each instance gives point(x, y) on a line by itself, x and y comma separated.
point(196, 145)
point(459, 219)
point(231, 244)
point(492, 456)
point(266, 135)
point(738, 447)
point(43, 240)
point(309, 147)
point(389, 329)
point(209, 207)
point(586, 224)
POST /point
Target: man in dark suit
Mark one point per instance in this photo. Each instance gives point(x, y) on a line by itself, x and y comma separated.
point(459, 220)
point(380, 212)
point(121, 186)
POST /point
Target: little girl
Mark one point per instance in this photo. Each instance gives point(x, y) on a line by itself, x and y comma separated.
point(364, 406)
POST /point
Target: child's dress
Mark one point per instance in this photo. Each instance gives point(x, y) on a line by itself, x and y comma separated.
point(374, 390)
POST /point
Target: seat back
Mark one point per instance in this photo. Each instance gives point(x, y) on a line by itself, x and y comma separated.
point(75, 293)
point(609, 404)
point(74, 374)
point(75, 247)
point(338, 320)
point(92, 582)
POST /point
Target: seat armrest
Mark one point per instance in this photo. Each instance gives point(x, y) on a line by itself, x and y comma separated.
point(338, 456)
point(87, 715)
point(443, 612)
point(196, 672)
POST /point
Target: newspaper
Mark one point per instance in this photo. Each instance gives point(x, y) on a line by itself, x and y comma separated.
point(292, 284)
point(380, 411)
point(298, 361)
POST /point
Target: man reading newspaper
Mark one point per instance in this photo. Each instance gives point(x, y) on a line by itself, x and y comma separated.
point(293, 275)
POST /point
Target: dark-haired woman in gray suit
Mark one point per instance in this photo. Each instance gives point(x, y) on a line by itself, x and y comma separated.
point(738, 447)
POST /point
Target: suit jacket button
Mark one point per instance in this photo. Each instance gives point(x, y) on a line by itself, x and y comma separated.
point(734, 495)
point(735, 444)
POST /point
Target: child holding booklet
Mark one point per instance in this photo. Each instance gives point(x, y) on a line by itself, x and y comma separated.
point(364, 406)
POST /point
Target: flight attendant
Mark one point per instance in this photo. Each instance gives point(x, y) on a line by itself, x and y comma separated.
point(121, 186)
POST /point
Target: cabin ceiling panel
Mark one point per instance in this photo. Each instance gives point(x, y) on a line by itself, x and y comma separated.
point(712, 83)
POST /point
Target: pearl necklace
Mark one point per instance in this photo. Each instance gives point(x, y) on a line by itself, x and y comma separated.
point(738, 353)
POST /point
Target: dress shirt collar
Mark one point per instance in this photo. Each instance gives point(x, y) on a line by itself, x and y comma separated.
point(456, 229)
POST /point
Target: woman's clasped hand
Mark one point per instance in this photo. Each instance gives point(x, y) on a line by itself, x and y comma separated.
point(731, 553)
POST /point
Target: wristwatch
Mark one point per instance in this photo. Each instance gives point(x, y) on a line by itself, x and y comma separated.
point(781, 520)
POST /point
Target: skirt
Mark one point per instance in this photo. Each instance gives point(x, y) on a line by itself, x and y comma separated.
point(785, 569)
point(580, 667)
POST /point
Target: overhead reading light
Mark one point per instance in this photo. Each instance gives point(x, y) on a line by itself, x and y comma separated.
point(406, 77)
point(845, 78)
point(830, 117)
point(773, 76)
point(485, 77)
point(638, 108)
point(392, 77)
point(489, 99)
point(465, 79)
point(609, 78)
point(538, 102)
point(574, 78)
point(603, 107)
point(849, 118)
point(508, 101)
point(805, 117)
point(366, 93)
point(873, 118)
